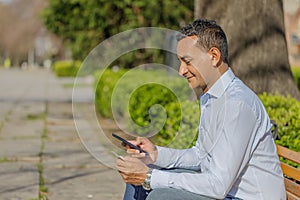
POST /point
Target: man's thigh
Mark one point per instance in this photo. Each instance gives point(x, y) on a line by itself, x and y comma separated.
point(174, 194)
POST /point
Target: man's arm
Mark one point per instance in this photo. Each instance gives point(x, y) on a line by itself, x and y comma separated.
point(175, 158)
point(166, 157)
point(230, 154)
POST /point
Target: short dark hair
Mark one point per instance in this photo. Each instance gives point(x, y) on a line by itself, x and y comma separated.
point(209, 34)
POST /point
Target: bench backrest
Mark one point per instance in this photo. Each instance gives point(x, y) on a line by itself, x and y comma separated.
point(292, 174)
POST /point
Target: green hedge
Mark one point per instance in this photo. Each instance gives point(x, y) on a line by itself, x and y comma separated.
point(134, 96)
point(181, 127)
point(296, 75)
point(104, 86)
point(172, 121)
point(146, 85)
point(182, 114)
point(285, 111)
point(66, 68)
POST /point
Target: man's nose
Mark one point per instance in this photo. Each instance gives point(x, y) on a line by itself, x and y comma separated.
point(182, 69)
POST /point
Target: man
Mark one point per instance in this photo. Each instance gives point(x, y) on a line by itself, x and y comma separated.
point(235, 156)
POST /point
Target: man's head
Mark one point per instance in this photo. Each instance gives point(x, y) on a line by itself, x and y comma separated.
point(202, 51)
point(209, 35)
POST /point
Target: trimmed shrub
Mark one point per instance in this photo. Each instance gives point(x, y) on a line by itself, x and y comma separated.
point(285, 111)
point(66, 68)
point(104, 86)
point(181, 127)
point(296, 75)
point(172, 122)
point(133, 97)
point(149, 87)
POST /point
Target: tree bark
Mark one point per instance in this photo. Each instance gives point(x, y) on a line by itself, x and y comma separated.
point(256, 38)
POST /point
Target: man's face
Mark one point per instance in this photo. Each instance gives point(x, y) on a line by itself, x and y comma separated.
point(195, 63)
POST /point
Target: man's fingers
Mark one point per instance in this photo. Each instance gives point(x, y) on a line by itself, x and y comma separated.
point(122, 165)
point(139, 155)
point(126, 160)
point(140, 140)
point(133, 151)
point(122, 169)
point(120, 162)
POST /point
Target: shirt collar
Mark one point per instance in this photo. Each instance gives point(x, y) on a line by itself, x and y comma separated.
point(221, 84)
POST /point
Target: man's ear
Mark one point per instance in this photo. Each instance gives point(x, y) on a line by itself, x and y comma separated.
point(215, 56)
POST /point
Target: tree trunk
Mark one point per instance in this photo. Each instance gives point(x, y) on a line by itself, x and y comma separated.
point(256, 39)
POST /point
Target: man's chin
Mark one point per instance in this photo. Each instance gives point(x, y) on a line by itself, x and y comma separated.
point(192, 83)
point(193, 86)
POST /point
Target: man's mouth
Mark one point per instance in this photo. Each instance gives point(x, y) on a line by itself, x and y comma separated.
point(188, 78)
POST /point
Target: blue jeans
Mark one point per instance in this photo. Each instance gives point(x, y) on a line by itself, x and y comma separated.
point(133, 192)
point(138, 193)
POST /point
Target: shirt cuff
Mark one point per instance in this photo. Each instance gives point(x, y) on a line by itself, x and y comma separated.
point(159, 179)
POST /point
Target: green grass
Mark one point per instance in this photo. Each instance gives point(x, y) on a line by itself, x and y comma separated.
point(71, 85)
point(6, 160)
point(36, 116)
point(43, 190)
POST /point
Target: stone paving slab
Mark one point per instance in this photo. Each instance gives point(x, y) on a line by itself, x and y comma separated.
point(21, 132)
point(89, 183)
point(69, 171)
point(22, 124)
point(19, 180)
point(4, 111)
point(81, 173)
point(20, 149)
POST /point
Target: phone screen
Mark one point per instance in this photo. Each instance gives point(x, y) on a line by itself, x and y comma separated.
point(128, 143)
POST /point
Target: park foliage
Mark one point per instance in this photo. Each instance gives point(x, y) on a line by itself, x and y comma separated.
point(83, 24)
point(66, 68)
point(180, 128)
point(296, 75)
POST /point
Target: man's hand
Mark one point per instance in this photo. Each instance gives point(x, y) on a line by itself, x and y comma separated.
point(132, 170)
point(147, 145)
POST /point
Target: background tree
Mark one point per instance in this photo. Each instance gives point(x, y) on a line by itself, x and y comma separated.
point(257, 45)
point(83, 24)
point(20, 27)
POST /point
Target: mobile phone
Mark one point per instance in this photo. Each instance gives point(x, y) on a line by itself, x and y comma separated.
point(128, 143)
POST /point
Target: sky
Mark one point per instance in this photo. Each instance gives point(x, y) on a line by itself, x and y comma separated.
point(291, 6)
point(5, 1)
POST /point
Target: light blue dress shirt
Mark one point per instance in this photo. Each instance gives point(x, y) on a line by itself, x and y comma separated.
point(235, 151)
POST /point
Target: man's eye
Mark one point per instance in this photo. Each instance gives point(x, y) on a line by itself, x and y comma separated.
point(187, 62)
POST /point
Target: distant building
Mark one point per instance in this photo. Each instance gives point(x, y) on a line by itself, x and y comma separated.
point(292, 30)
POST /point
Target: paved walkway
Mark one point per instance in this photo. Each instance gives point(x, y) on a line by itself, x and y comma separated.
point(41, 155)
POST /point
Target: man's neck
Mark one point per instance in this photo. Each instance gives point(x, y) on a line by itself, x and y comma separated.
point(223, 68)
point(220, 70)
